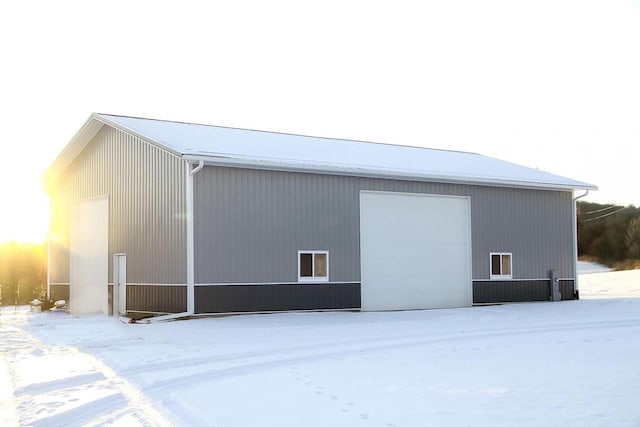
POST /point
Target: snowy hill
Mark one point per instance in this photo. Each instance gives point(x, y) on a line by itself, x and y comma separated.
point(585, 267)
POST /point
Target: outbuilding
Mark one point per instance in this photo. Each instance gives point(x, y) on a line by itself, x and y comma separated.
point(153, 217)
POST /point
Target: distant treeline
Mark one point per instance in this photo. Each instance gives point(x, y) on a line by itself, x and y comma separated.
point(23, 272)
point(609, 234)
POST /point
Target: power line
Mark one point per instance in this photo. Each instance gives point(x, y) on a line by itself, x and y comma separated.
point(605, 215)
point(599, 210)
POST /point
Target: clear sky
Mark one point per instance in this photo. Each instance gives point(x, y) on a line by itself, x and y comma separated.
point(552, 85)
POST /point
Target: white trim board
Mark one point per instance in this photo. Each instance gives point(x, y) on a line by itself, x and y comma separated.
point(278, 283)
point(155, 284)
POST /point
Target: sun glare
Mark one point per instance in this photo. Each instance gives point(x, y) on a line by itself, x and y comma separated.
point(25, 216)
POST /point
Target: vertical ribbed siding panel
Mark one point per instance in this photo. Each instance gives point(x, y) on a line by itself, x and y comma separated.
point(567, 288)
point(493, 291)
point(59, 238)
point(156, 299)
point(534, 225)
point(249, 224)
point(276, 297)
point(146, 190)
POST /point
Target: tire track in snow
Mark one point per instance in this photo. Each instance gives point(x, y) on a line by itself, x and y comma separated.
point(83, 414)
point(49, 386)
point(211, 359)
point(381, 345)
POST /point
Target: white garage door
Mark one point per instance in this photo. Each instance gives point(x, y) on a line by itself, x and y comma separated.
point(89, 241)
point(415, 251)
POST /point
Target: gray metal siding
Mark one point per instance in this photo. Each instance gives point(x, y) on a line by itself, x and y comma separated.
point(58, 263)
point(146, 190)
point(249, 224)
point(156, 299)
point(276, 297)
point(510, 291)
point(59, 206)
point(536, 226)
point(494, 291)
point(59, 292)
point(567, 289)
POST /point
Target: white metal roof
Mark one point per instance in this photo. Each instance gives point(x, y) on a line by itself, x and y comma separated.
point(271, 150)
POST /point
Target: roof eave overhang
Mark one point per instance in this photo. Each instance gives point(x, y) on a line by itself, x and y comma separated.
point(213, 160)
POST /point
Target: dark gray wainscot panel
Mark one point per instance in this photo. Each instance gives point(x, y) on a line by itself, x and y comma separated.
point(277, 297)
point(496, 291)
point(156, 298)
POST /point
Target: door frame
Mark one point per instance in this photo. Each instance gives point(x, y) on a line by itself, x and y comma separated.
point(119, 291)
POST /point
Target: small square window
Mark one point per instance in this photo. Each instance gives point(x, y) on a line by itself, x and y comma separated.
point(500, 265)
point(313, 266)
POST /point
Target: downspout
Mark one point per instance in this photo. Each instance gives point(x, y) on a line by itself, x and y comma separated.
point(575, 244)
point(190, 246)
point(190, 238)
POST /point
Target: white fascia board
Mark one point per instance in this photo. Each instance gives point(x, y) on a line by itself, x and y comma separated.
point(380, 173)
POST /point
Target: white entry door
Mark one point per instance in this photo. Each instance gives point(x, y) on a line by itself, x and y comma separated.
point(119, 284)
point(88, 263)
point(415, 251)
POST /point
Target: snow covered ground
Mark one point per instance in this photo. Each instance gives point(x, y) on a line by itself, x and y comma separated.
point(573, 363)
point(615, 284)
point(585, 267)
